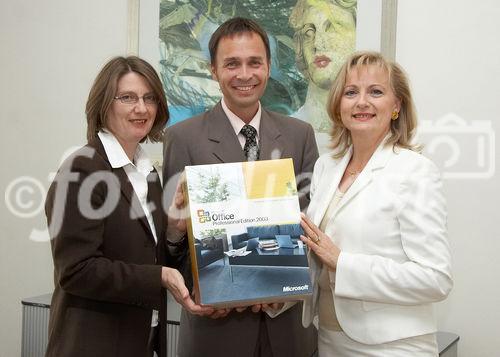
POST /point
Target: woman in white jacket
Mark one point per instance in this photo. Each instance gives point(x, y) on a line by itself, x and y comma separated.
point(377, 222)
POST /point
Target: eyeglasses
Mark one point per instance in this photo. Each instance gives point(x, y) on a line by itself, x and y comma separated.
point(132, 98)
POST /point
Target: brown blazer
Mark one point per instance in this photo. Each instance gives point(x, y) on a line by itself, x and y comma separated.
point(209, 138)
point(105, 273)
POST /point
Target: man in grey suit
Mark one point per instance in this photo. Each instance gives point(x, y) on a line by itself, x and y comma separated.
point(239, 129)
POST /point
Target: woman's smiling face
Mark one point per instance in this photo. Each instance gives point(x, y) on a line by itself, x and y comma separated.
point(368, 102)
point(130, 123)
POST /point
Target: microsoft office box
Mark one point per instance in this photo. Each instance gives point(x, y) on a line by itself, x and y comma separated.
point(244, 231)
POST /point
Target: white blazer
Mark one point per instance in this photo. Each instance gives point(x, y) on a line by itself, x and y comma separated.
point(391, 229)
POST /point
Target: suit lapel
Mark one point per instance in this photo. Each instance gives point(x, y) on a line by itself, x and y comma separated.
point(226, 146)
point(331, 179)
point(377, 162)
point(361, 182)
point(127, 190)
point(154, 196)
point(136, 209)
point(271, 146)
point(125, 186)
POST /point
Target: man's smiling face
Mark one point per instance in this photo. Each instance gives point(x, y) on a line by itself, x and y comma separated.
point(242, 70)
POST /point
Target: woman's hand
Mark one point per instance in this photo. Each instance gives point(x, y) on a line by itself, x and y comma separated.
point(319, 243)
point(173, 281)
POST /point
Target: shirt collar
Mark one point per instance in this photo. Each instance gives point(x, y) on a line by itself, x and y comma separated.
point(237, 123)
point(117, 156)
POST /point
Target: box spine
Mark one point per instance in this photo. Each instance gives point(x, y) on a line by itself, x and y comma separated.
point(192, 249)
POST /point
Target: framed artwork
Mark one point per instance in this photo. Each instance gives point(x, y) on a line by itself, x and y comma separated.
point(309, 41)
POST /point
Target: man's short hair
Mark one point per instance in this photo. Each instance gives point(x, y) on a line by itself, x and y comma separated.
point(234, 26)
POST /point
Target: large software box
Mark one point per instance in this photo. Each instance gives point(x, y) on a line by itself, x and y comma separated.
point(244, 233)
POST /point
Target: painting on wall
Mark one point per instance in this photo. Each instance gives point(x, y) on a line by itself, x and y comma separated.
point(309, 40)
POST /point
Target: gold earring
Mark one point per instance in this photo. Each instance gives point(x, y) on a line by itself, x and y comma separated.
point(395, 115)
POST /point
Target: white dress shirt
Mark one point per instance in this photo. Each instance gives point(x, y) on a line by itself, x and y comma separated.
point(238, 124)
point(137, 173)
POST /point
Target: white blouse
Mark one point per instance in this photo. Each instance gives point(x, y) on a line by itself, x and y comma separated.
point(327, 317)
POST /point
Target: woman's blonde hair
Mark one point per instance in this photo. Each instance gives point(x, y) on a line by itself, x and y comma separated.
point(402, 129)
point(103, 92)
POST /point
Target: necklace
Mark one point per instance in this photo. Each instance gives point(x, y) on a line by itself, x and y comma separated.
point(352, 172)
point(355, 172)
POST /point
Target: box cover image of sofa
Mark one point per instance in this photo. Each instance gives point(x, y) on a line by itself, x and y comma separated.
point(267, 232)
point(249, 202)
point(209, 250)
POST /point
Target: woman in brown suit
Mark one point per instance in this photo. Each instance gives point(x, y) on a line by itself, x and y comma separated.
point(107, 226)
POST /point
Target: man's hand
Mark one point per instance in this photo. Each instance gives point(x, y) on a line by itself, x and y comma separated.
point(173, 281)
point(262, 307)
point(220, 313)
point(177, 214)
point(255, 308)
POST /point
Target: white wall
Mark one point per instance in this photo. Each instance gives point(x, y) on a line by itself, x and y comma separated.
point(451, 51)
point(52, 49)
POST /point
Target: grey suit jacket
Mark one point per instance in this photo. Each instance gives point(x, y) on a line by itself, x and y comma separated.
point(209, 138)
